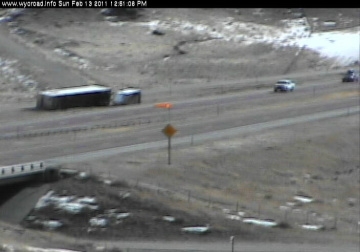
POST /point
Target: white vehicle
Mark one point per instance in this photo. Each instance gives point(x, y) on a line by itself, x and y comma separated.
point(284, 86)
point(127, 96)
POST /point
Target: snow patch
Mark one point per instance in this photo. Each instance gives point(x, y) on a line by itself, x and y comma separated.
point(81, 62)
point(35, 249)
point(10, 73)
point(52, 224)
point(341, 46)
point(196, 230)
point(169, 218)
point(312, 227)
point(70, 204)
point(98, 222)
point(303, 199)
point(258, 222)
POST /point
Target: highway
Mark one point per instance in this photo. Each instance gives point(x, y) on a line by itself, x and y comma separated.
point(104, 130)
point(225, 246)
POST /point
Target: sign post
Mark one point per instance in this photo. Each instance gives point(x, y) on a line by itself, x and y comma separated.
point(169, 150)
point(169, 131)
point(232, 240)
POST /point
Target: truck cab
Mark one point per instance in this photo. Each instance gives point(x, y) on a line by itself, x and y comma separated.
point(127, 96)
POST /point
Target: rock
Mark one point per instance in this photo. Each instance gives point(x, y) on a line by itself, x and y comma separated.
point(157, 32)
point(111, 18)
point(98, 222)
point(106, 12)
point(351, 202)
point(18, 31)
point(12, 24)
point(38, 41)
point(298, 15)
point(329, 24)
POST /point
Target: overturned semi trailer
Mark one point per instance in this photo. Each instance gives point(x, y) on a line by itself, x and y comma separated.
point(82, 96)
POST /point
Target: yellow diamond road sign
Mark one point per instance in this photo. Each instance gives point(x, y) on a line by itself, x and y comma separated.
point(169, 130)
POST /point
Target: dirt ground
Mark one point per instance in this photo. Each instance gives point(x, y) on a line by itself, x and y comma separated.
point(257, 175)
point(97, 51)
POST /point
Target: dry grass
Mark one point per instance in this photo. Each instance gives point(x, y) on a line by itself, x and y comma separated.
point(256, 173)
point(266, 178)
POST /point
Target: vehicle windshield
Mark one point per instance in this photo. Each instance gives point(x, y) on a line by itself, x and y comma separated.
point(350, 74)
point(283, 82)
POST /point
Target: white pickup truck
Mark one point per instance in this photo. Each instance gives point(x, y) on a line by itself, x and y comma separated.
point(284, 86)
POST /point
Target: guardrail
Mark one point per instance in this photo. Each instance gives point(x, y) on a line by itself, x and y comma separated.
point(73, 129)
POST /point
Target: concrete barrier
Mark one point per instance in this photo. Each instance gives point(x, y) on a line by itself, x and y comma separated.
point(20, 172)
